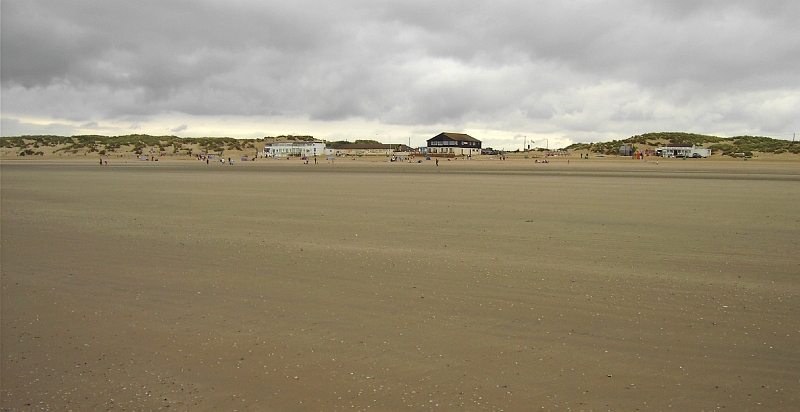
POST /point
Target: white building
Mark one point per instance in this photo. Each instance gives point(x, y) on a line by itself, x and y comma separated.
point(283, 149)
point(683, 151)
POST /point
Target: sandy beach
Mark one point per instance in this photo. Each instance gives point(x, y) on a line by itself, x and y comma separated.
point(272, 285)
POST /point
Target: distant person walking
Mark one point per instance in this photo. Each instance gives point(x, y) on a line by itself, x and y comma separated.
point(437, 162)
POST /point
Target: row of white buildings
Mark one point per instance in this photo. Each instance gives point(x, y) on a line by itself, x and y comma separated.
point(682, 151)
point(443, 144)
point(283, 149)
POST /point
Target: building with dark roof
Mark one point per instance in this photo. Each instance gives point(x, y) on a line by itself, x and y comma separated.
point(454, 144)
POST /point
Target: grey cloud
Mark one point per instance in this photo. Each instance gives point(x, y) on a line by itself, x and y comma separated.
point(400, 62)
point(179, 128)
point(718, 42)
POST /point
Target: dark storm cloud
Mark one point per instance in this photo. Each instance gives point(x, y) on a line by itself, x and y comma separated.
point(612, 65)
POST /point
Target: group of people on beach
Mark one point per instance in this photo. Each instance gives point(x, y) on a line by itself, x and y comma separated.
point(221, 160)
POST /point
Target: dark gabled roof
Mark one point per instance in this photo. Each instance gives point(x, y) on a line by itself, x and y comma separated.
point(458, 137)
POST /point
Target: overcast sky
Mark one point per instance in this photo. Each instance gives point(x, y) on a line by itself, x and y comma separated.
point(554, 72)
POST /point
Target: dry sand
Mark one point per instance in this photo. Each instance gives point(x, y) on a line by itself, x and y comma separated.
point(478, 285)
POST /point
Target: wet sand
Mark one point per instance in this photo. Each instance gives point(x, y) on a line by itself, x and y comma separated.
point(366, 285)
